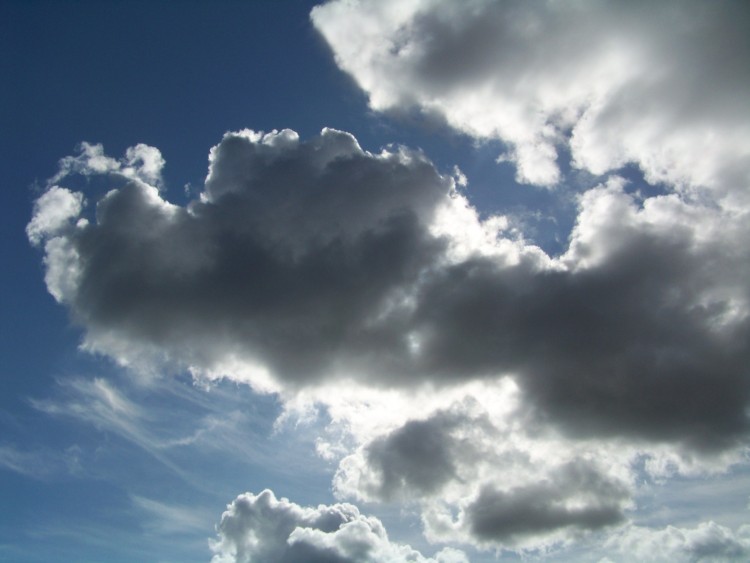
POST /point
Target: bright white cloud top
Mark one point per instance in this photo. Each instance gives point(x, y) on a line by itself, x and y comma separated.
point(670, 79)
point(518, 399)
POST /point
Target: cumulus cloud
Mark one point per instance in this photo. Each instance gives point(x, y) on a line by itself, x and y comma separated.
point(507, 393)
point(492, 478)
point(576, 497)
point(442, 345)
point(141, 162)
point(315, 261)
point(707, 542)
point(52, 211)
point(286, 261)
point(264, 528)
point(638, 320)
point(416, 458)
point(549, 78)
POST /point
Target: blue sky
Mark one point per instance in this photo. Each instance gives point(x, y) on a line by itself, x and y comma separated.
point(374, 281)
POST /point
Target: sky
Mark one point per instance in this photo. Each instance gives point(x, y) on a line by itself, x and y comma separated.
point(375, 280)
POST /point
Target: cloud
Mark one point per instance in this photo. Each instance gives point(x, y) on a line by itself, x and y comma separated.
point(171, 519)
point(577, 497)
point(416, 458)
point(662, 85)
point(264, 528)
point(42, 464)
point(285, 262)
point(108, 409)
point(181, 426)
point(515, 399)
point(52, 212)
point(491, 478)
point(100, 403)
point(646, 322)
point(707, 542)
point(141, 162)
point(465, 370)
point(308, 262)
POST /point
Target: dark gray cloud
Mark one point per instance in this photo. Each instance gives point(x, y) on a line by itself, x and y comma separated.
point(262, 528)
point(312, 261)
point(577, 497)
point(619, 349)
point(287, 260)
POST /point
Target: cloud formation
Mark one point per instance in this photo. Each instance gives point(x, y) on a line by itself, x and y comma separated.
point(307, 266)
point(491, 478)
point(706, 542)
point(264, 528)
point(548, 78)
point(515, 398)
point(307, 262)
point(577, 497)
point(285, 262)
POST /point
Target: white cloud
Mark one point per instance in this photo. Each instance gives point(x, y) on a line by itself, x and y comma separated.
point(663, 85)
point(104, 406)
point(52, 212)
point(491, 476)
point(707, 542)
point(99, 402)
point(515, 400)
point(264, 528)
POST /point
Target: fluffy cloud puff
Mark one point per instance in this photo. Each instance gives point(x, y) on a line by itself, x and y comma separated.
point(307, 262)
point(307, 266)
point(264, 528)
point(670, 78)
